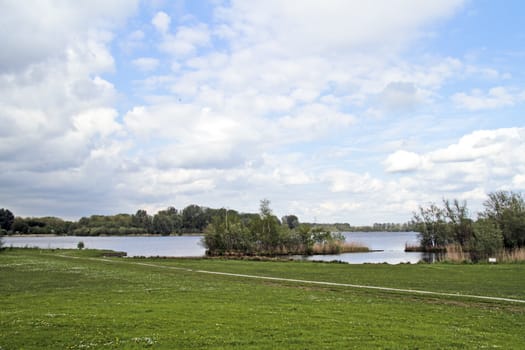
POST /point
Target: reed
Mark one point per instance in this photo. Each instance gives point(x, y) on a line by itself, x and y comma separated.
point(413, 248)
point(511, 256)
point(338, 247)
point(455, 253)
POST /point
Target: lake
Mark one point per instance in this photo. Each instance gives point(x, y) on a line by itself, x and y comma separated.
point(390, 244)
point(175, 246)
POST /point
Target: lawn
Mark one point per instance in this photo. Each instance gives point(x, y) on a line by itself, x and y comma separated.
point(53, 301)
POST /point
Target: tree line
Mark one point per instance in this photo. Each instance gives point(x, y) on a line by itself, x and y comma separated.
point(500, 226)
point(376, 227)
point(191, 219)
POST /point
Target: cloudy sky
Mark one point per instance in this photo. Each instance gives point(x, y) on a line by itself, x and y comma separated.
point(347, 111)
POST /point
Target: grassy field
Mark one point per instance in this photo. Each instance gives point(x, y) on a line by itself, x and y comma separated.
point(68, 300)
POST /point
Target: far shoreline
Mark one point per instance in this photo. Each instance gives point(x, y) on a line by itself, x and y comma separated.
point(105, 235)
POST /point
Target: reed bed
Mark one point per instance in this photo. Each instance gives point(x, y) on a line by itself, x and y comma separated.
point(338, 247)
point(515, 255)
point(455, 253)
point(413, 248)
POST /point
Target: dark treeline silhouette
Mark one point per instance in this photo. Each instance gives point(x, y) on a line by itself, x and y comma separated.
point(376, 227)
point(191, 219)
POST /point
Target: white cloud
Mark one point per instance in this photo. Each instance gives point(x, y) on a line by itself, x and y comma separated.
point(40, 31)
point(400, 96)
point(146, 64)
point(62, 142)
point(333, 207)
point(496, 97)
point(132, 41)
point(98, 121)
point(403, 161)
point(480, 144)
point(266, 100)
point(345, 181)
point(312, 122)
point(481, 161)
point(518, 182)
point(339, 26)
point(186, 40)
point(193, 137)
point(161, 21)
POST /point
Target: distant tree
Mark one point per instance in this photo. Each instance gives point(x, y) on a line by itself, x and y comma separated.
point(291, 221)
point(194, 218)
point(176, 218)
point(20, 226)
point(141, 219)
point(162, 224)
point(6, 219)
point(173, 216)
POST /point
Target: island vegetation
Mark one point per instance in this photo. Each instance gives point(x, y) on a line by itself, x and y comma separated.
point(264, 234)
point(498, 231)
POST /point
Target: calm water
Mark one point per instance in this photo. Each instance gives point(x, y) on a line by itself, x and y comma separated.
point(177, 246)
point(391, 244)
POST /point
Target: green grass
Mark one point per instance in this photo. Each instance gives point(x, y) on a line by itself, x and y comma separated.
point(53, 302)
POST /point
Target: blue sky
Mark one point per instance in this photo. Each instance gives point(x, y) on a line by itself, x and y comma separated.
point(336, 111)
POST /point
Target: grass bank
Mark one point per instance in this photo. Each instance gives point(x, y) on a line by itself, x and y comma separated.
point(55, 302)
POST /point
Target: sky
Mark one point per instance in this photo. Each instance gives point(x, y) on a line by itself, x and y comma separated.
point(335, 110)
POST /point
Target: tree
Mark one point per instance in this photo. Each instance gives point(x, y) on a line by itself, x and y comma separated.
point(507, 211)
point(227, 234)
point(432, 226)
point(20, 226)
point(6, 219)
point(162, 224)
point(194, 218)
point(459, 221)
point(487, 240)
point(141, 219)
point(266, 228)
point(291, 221)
